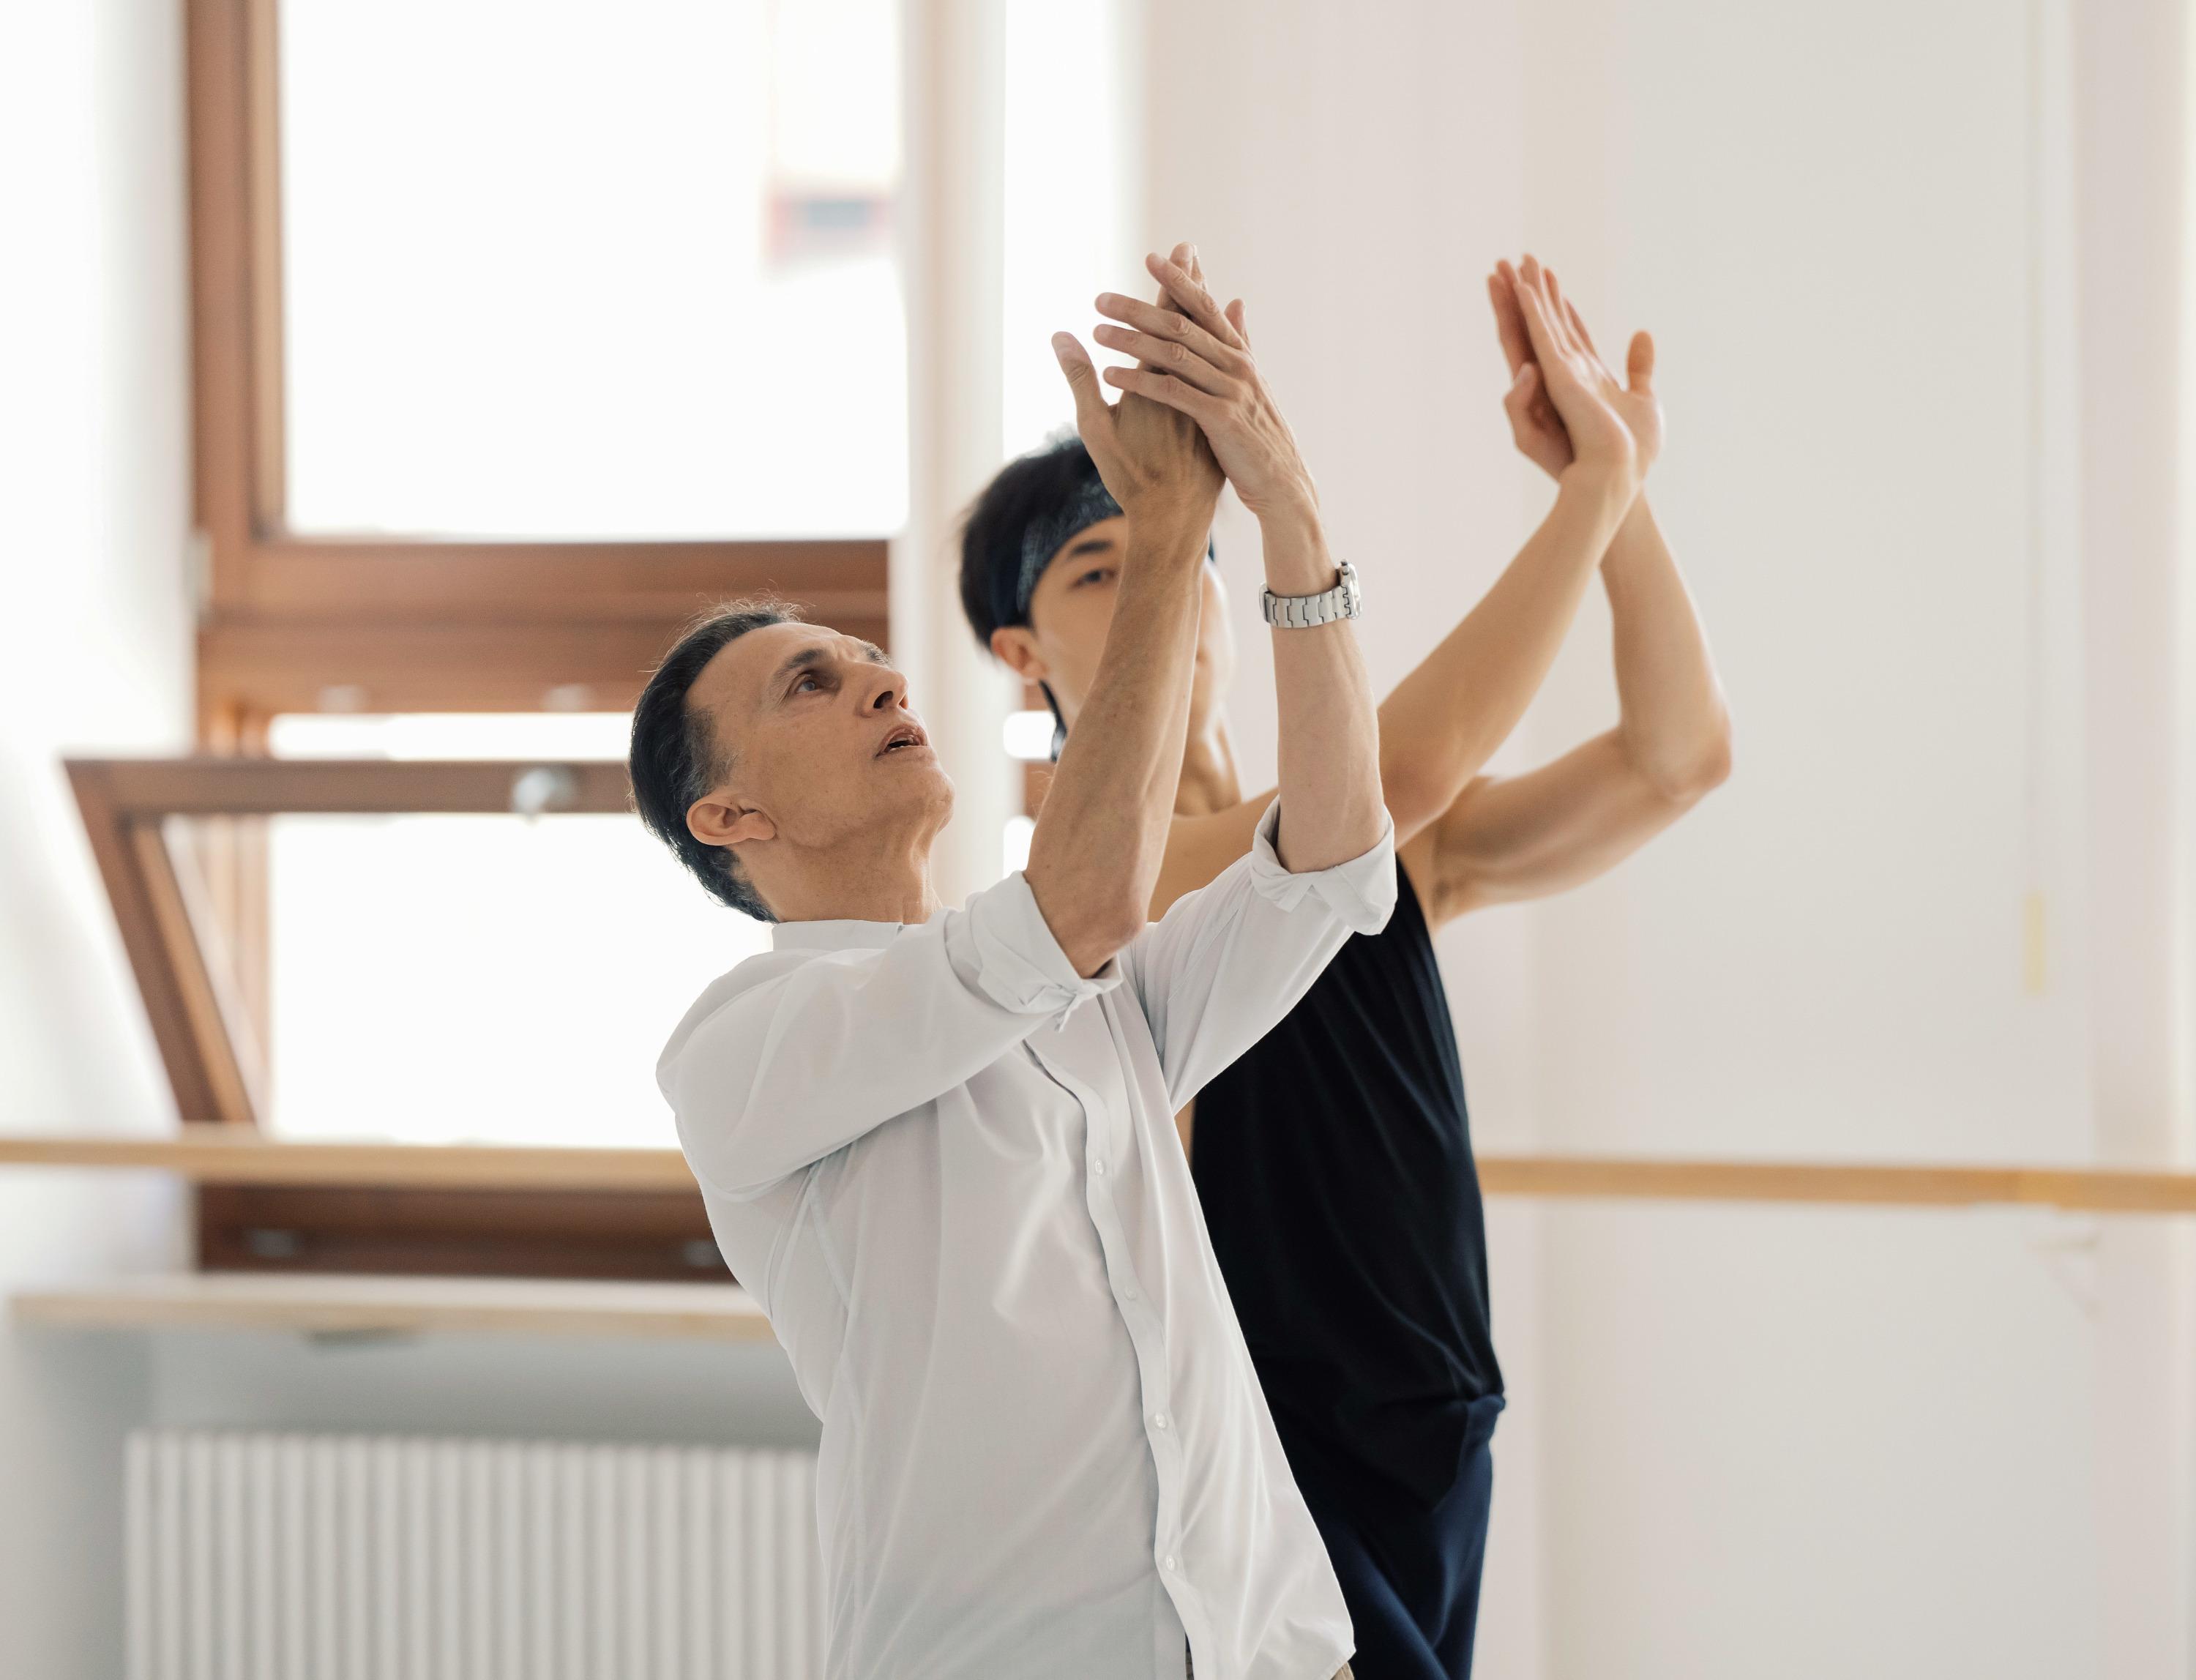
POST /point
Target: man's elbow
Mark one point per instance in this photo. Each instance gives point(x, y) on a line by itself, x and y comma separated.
point(1413, 800)
point(1690, 778)
point(1091, 934)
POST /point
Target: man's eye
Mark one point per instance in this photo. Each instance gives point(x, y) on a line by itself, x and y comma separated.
point(1096, 575)
point(808, 683)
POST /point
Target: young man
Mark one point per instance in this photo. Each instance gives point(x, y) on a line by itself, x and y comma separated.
point(939, 1146)
point(1333, 1160)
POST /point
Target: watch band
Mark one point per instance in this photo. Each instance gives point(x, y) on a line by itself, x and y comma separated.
point(1302, 612)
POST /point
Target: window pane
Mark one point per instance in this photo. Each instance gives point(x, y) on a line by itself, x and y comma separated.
point(563, 270)
point(555, 737)
point(493, 979)
point(437, 979)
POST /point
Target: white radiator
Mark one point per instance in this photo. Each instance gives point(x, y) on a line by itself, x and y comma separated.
point(364, 1557)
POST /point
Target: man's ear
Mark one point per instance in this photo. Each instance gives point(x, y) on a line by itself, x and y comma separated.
point(716, 820)
point(1017, 650)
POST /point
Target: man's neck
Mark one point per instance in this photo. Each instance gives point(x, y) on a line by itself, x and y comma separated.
point(1209, 778)
point(861, 882)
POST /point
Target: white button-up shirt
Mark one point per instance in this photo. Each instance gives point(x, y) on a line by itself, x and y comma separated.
point(946, 1166)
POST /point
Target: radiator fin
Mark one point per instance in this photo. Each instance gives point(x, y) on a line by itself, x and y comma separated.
point(256, 1556)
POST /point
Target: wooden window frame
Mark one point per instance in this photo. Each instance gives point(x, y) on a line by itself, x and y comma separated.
point(294, 623)
point(172, 933)
point(396, 624)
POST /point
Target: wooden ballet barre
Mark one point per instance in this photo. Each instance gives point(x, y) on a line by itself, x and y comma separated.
point(215, 1154)
point(232, 1155)
point(2071, 1189)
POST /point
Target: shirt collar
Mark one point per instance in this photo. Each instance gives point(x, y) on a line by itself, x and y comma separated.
point(832, 936)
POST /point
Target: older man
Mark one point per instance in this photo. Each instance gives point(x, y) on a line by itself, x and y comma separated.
point(938, 1144)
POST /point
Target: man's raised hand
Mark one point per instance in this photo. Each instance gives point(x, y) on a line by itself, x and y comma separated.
point(1195, 358)
point(1529, 308)
point(1144, 450)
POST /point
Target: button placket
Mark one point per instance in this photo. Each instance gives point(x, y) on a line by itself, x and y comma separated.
point(1146, 1340)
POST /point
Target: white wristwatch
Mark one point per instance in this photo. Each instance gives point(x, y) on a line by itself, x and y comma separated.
point(1301, 612)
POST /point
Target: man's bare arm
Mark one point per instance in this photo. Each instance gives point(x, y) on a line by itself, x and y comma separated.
point(1527, 836)
point(1101, 837)
point(1198, 358)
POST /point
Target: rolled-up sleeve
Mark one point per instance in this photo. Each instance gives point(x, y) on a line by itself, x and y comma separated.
point(1002, 946)
point(798, 1052)
point(1230, 960)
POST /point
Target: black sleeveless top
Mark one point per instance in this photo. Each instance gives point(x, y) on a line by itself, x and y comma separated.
point(1334, 1164)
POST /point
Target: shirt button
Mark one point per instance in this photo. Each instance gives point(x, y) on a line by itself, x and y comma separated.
point(1167, 1563)
point(1127, 1295)
point(1158, 1420)
point(1099, 1167)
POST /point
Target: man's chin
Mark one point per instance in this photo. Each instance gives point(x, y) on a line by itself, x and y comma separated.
point(921, 782)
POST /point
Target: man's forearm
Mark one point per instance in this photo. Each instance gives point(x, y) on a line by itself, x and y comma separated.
point(1329, 733)
point(1102, 834)
point(1442, 724)
point(1673, 723)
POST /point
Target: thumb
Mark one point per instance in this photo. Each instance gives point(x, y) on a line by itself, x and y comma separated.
point(1639, 364)
point(1092, 416)
point(1522, 389)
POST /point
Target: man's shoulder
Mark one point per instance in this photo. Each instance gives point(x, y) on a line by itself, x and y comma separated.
point(751, 972)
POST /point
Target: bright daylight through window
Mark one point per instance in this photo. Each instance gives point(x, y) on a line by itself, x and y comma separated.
point(564, 271)
point(563, 948)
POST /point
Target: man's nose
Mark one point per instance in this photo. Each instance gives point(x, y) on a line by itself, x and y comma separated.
point(887, 691)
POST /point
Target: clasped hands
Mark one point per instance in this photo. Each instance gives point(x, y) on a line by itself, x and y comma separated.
point(1193, 410)
point(1568, 413)
point(1196, 409)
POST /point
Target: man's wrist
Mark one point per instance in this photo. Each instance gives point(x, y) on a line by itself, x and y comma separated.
point(1636, 538)
point(1297, 560)
point(1296, 513)
point(1606, 494)
point(1169, 528)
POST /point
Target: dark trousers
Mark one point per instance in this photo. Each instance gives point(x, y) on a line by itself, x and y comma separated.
point(1411, 1576)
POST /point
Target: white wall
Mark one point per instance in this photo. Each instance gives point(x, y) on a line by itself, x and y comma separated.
point(2132, 66)
point(94, 655)
point(1769, 1440)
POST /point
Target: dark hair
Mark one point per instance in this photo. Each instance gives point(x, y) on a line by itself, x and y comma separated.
point(1033, 487)
point(676, 757)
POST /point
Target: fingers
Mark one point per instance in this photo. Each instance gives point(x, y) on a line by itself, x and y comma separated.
point(1093, 418)
point(1165, 388)
point(1509, 319)
point(1578, 326)
point(1560, 306)
point(1540, 330)
point(1517, 401)
point(1185, 255)
point(1167, 324)
point(1527, 403)
point(1188, 291)
point(1640, 364)
point(1561, 314)
point(1554, 309)
point(1521, 403)
point(1235, 320)
point(1168, 355)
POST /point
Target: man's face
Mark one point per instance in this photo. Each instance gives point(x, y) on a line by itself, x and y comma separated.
point(819, 747)
point(1073, 606)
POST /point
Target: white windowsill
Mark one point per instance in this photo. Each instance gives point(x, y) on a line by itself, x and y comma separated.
point(346, 1305)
